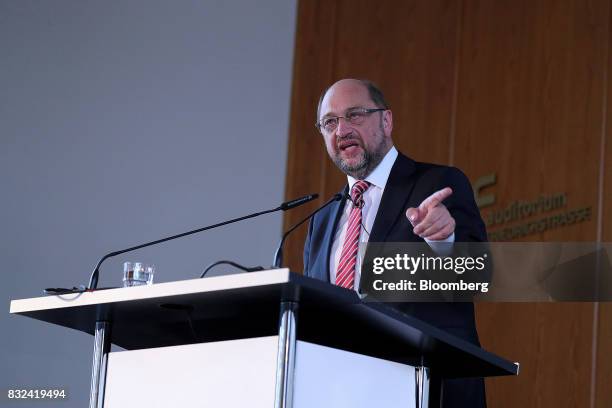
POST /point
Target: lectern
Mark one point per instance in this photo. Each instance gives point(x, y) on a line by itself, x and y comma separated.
point(261, 339)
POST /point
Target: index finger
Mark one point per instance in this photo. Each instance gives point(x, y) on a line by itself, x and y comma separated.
point(436, 198)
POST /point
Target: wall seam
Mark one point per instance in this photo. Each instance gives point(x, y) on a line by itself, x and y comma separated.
point(600, 197)
point(453, 118)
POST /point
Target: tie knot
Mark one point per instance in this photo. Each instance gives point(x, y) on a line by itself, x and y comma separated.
point(357, 192)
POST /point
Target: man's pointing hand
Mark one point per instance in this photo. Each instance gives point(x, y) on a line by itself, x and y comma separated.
point(431, 219)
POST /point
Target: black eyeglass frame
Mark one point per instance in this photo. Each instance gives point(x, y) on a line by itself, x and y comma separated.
point(366, 111)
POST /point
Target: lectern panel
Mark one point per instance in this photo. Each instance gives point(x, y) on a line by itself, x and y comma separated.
point(235, 373)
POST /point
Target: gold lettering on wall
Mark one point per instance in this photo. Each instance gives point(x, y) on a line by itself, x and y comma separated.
point(520, 211)
point(481, 184)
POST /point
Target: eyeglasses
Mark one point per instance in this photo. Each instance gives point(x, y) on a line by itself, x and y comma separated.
point(354, 117)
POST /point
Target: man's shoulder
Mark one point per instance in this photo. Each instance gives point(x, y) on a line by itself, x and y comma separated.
point(432, 172)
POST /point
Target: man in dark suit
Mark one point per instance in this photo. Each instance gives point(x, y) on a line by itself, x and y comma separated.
point(392, 199)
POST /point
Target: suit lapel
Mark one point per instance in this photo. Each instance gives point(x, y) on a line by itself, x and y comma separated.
point(397, 191)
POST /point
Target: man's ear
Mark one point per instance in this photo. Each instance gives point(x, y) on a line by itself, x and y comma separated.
point(387, 122)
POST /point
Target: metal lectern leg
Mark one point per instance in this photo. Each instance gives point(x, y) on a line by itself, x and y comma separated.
point(422, 386)
point(98, 369)
point(285, 362)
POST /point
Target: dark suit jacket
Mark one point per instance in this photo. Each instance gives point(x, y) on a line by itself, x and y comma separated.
point(408, 185)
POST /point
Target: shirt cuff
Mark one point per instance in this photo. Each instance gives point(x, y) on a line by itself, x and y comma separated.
point(442, 247)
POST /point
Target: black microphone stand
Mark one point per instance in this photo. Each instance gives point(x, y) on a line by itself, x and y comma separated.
point(93, 280)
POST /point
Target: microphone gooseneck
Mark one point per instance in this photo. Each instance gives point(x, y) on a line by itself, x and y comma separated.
point(278, 255)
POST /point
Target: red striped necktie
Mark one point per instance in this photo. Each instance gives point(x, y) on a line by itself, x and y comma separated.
point(345, 274)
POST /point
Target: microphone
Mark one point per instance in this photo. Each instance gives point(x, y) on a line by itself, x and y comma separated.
point(297, 202)
point(278, 255)
point(360, 205)
point(93, 280)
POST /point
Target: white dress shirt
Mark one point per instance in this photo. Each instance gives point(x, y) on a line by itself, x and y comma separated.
point(371, 198)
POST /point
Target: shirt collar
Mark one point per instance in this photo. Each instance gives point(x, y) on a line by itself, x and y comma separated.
point(379, 176)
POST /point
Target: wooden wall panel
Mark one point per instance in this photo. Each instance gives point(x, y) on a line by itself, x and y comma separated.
point(553, 344)
point(515, 87)
point(603, 363)
point(530, 95)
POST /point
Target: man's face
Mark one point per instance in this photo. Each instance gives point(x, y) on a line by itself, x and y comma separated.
point(355, 148)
